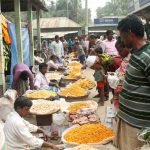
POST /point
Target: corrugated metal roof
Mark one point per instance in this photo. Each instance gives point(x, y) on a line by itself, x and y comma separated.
point(52, 34)
point(55, 22)
point(8, 5)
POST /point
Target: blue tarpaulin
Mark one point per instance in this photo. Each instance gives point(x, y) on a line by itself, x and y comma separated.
point(13, 47)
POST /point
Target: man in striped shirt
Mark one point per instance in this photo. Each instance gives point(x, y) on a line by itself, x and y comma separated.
point(134, 100)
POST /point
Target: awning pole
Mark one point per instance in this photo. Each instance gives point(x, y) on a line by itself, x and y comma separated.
point(18, 30)
point(2, 77)
point(30, 33)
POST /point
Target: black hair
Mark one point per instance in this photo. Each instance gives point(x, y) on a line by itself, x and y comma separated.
point(93, 36)
point(56, 36)
point(24, 75)
point(99, 50)
point(35, 52)
point(22, 102)
point(52, 56)
point(132, 23)
point(42, 65)
point(119, 42)
point(109, 32)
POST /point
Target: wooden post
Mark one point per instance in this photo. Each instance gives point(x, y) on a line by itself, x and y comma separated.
point(2, 77)
point(18, 30)
point(38, 30)
point(30, 33)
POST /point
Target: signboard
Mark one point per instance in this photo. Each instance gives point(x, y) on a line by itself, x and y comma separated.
point(106, 21)
point(143, 2)
point(131, 6)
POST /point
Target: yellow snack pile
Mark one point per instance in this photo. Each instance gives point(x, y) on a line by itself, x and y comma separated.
point(88, 133)
point(74, 72)
point(73, 91)
point(74, 63)
point(76, 106)
point(84, 83)
point(41, 94)
point(72, 54)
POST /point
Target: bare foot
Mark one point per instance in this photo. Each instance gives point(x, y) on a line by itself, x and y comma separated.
point(101, 103)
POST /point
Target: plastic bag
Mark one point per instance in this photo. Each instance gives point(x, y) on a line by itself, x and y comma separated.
point(113, 81)
point(59, 118)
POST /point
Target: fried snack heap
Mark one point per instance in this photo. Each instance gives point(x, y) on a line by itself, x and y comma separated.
point(44, 107)
point(74, 63)
point(41, 94)
point(74, 72)
point(76, 106)
point(88, 133)
point(73, 91)
point(85, 83)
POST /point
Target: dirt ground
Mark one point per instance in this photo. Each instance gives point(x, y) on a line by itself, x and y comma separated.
point(101, 109)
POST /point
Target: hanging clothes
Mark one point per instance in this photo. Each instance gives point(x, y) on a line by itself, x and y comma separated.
point(5, 33)
point(7, 54)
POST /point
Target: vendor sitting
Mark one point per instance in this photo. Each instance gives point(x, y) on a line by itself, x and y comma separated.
point(38, 60)
point(41, 81)
point(54, 64)
point(18, 132)
point(21, 74)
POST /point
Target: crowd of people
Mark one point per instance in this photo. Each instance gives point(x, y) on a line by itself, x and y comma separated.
point(121, 65)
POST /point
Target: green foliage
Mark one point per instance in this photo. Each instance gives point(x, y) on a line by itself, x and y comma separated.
point(67, 8)
point(113, 8)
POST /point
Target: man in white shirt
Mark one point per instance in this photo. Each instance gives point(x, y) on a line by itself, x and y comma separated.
point(37, 59)
point(18, 131)
point(40, 81)
point(110, 42)
point(53, 64)
point(58, 48)
point(96, 43)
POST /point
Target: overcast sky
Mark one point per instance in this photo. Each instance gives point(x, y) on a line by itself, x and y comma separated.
point(93, 4)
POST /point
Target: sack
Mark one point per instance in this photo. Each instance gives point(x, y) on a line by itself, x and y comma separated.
point(7, 103)
point(144, 147)
point(11, 95)
point(59, 118)
point(2, 137)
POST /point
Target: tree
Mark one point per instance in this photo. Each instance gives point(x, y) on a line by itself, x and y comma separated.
point(113, 8)
point(67, 8)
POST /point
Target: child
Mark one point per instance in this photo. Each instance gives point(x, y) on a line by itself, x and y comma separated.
point(99, 63)
point(93, 63)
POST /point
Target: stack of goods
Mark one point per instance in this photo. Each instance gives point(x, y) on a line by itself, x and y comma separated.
point(77, 105)
point(53, 75)
point(88, 133)
point(44, 107)
point(72, 54)
point(40, 94)
point(73, 91)
point(84, 116)
point(74, 63)
point(74, 72)
point(85, 83)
